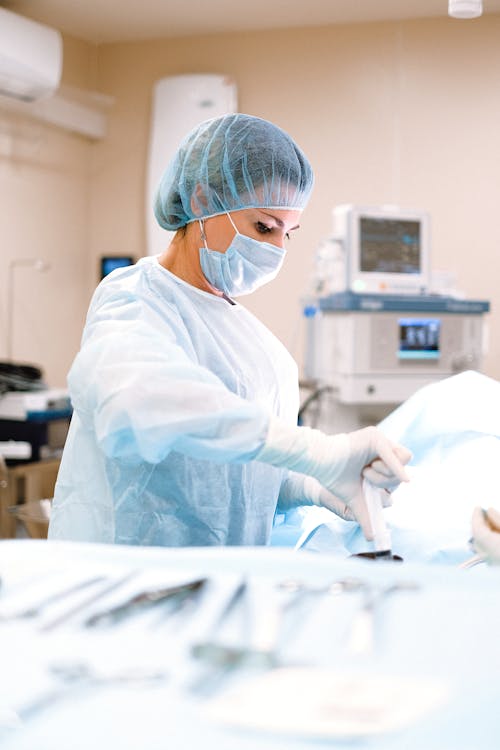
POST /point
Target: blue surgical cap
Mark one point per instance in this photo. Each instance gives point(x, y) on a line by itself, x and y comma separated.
point(229, 163)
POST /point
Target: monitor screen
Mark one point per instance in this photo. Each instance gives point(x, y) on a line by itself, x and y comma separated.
point(389, 245)
point(419, 338)
point(111, 262)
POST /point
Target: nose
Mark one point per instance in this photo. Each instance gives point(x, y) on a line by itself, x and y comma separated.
point(278, 243)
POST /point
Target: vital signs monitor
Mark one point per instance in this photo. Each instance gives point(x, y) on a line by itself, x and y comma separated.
point(385, 249)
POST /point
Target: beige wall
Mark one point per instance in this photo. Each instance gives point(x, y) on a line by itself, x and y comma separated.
point(44, 198)
point(403, 112)
point(391, 112)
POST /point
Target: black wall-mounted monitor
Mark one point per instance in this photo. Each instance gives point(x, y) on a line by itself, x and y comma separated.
point(112, 262)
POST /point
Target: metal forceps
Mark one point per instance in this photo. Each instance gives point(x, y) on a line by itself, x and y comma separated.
point(144, 598)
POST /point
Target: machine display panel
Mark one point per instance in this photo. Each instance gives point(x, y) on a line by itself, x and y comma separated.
point(390, 245)
point(111, 262)
point(419, 338)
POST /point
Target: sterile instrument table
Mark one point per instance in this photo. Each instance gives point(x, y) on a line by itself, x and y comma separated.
point(427, 676)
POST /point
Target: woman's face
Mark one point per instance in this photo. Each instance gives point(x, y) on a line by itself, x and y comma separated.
point(263, 224)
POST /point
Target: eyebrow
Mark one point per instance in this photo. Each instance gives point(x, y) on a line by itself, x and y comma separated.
point(278, 221)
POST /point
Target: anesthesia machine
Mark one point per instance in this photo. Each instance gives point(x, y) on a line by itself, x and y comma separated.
point(376, 328)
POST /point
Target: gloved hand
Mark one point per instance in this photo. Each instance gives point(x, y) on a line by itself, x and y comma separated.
point(486, 534)
point(300, 489)
point(338, 462)
point(320, 496)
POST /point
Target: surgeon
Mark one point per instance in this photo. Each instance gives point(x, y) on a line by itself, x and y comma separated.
point(184, 429)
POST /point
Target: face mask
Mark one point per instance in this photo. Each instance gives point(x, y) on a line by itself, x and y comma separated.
point(246, 265)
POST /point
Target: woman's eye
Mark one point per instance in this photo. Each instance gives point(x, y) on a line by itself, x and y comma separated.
point(287, 236)
point(262, 228)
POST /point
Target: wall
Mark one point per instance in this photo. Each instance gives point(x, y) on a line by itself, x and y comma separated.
point(44, 197)
point(402, 112)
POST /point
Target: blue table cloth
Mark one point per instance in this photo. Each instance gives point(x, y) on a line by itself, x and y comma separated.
point(443, 630)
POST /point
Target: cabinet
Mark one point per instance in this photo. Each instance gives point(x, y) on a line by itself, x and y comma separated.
point(21, 487)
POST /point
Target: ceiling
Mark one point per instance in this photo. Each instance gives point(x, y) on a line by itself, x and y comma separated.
point(101, 21)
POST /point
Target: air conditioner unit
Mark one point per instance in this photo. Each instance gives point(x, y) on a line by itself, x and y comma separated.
point(30, 57)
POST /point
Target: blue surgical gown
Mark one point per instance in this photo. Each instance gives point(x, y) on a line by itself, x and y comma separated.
point(172, 391)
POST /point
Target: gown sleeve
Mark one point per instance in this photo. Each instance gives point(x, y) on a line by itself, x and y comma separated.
point(135, 386)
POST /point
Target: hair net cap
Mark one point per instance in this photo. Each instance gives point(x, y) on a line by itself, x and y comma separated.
point(229, 163)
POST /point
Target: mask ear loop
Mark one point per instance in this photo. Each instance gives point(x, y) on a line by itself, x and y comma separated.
point(203, 236)
point(232, 222)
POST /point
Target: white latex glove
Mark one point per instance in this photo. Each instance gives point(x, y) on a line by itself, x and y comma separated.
point(320, 496)
point(486, 534)
point(300, 489)
point(338, 461)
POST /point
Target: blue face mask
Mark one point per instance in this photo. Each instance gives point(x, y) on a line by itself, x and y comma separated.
point(246, 265)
